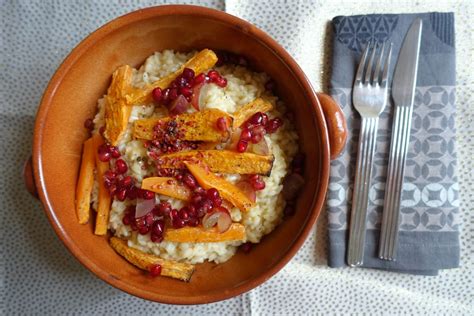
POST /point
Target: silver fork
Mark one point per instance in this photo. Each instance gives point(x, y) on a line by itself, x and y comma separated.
point(369, 96)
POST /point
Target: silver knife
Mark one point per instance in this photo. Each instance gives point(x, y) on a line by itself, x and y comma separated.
point(403, 94)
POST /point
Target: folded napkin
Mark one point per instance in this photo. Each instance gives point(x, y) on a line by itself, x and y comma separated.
point(429, 228)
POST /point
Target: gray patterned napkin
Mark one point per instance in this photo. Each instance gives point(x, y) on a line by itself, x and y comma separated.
point(429, 229)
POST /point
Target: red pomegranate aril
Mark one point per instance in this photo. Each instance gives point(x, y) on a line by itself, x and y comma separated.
point(157, 95)
point(192, 211)
point(143, 230)
point(188, 73)
point(189, 181)
point(256, 138)
point(259, 185)
point(121, 194)
point(181, 82)
point(213, 75)
point(221, 124)
point(173, 95)
point(155, 270)
point(199, 79)
point(126, 182)
point(165, 99)
point(104, 154)
point(196, 199)
point(212, 194)
point(158, 227)
point(156, 238)
point(110, 175)
point(133, 226)
point(273, 125)
point(256, 119)
point(114, 151)
point(112, 189)
point(148, 195)
point(178, 223)
point(242, 146)
point(89, 124)
point(193, 222)
point(207, 205)
point(199, 190)
point(121, 166)
point(264, 119)
point(149, 219)
point(140, 222)
point(187, 92)
point(126, 220)
point(174, 214)
point(163, 209)
point(246, 134)
point(221, 82)
point(183, 213)
point(217, 202)
point(132, 193)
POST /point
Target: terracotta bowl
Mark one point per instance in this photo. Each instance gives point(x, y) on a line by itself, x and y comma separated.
point(83, 78)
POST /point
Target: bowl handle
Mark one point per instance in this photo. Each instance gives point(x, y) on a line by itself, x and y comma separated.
point(29, 177)
point(336, 123)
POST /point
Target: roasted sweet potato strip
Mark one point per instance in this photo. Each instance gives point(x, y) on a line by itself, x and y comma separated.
point(197, 126)
point(103, 208)
point(236, 232)
point(167, 186)
point(85, 182)
point(220, 161)
point(117, 112)
point(246, 111)
point(201, 62)
point(227, 190)
point(144, 261)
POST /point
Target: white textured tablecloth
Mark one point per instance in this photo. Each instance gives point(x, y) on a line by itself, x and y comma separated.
point(39, 276)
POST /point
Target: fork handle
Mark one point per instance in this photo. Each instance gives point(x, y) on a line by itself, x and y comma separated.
point(360, 193)
point(393, 188)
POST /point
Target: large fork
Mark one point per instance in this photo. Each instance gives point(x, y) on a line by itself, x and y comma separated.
point(369, 97)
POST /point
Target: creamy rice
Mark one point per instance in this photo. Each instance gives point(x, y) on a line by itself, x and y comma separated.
point(243, 86)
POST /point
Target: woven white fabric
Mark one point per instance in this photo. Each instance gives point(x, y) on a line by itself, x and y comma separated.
point(38, 275)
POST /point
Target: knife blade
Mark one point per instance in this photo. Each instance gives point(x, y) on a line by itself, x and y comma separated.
point(403, 94)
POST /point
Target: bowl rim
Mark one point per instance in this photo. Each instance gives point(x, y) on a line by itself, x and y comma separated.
point(178, 10)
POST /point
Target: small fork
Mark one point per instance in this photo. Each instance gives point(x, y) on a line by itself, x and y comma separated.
point(369, 96)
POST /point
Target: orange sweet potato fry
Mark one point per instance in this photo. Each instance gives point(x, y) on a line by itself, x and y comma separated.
point(145, 261)
point(220, 161)
point(103, 208)
point(227, 190)
point(249, 109)
point(201, 62)
point(85, 182)
point(167, 186)
point(236, 232)
point(197, 126)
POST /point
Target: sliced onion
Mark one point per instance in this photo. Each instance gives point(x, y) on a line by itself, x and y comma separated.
point(144, 207)
point(247, 189)
point(218, 216)
point(179, 106)
point(260, 148)
point(291, 185)
point(234, 139)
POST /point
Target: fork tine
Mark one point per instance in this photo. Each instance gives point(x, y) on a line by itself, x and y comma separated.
point(363, 59)
point(379, 65)
point(386, 67)
point(368, 73)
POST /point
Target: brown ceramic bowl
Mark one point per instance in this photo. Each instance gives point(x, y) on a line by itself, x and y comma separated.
point(83, 78)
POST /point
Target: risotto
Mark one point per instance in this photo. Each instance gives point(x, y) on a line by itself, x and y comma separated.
point(231, 89)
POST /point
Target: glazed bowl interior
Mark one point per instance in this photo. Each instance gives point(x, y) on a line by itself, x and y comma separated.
point(72, 96)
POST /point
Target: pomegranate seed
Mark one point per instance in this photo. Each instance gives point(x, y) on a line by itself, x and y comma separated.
point(289, 210)
point(174, 213)
point(188, 73)
point(196, 199)
point(132, 193)
point(221, 124)
point(114, 151)
point(173, 94)
point(155, 270)
point(165, 99)
point(213, 75)
point(143, 230)
point(109, 174)
point(207, 205)
point(192, 211)
point(147, 195)
point(264, 119)
point(187, 92)
point(256, 119)
point(121, 194)
point(217, 202)
point(200, 190)
point(149, 219)
point(178, 223)
point(183, 213)
point(104, 153)
point(156, 238)
point(221, 82)
point(189, 181)
point(273, 125)
point(133, 226)
point(112, 189)
point(242, 146)
point(140, 222)
point(121, 166)
point(199, 79)
point(164, 208)
point(212, 194)
point(126, 182)
point(157, 95)
point(158, 227)
point(246, 134)
point(257, 182)
point(126, 220)
point(89, 124)
point(256, 138)
point(193, 222)
point(246, 247)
